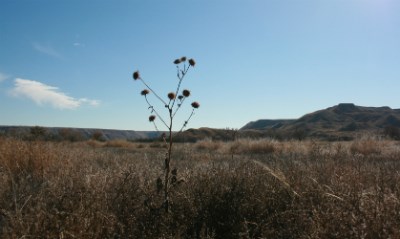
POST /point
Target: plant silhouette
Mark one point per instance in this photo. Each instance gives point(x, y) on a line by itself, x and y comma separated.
point(173, 103)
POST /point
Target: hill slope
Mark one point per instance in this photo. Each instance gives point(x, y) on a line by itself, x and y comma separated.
point(340, 121)
point(75, 134)
point(343, 121)
point(267, 124)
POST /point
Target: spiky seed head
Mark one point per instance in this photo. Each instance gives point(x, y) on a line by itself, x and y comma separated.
point(183, 59)
point(195, 105)
point(145, 92)
point(136, 75)
point(152, 118)
point(192, 62)
point(171, 95)
point(186, 93)
point(177, 61)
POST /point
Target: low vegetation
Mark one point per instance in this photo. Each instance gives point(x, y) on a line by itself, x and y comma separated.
point(237, 189)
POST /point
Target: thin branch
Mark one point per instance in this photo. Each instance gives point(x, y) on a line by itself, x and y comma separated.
point(155, 111)
point(179, 106)
point(153, 91)
point(185, 70)
point(187, 121)
point(155, 126)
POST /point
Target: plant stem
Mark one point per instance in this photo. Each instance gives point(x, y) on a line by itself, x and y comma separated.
point(155, 111)
point(184, 124)
point(179, 106)
point(167, 164)
point(185, 70)
point(153, 91)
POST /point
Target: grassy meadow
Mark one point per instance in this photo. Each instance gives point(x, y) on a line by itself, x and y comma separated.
point(239, 189)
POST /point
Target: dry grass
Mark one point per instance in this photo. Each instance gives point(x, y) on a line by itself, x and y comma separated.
point(247, 146)
point(366, 147)
point(208, 144)
point(268, 189)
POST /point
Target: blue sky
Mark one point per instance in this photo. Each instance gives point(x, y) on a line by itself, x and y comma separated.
point(69, 63)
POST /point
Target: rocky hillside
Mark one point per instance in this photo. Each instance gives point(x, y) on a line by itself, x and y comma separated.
point(341, 121)
point(267, 124)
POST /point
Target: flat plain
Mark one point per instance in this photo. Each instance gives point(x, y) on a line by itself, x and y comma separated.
point(237, 189)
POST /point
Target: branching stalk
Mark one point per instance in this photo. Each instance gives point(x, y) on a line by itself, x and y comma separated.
point(172, 110)
point(187, 121)
point(155, 111)
point(153, 91)
point(178, 107)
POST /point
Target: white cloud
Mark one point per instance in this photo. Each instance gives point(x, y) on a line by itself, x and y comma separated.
point(89, 102)
point(3, 77)
point(78, 44)
point(43, 94)
point(48, 50)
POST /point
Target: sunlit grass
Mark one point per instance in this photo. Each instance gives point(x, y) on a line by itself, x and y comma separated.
point(238, 189)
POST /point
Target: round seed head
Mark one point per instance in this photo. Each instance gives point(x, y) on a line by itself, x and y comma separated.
point(192, 62)
point(152, 118)
point(195, 105)
point(145, 92)
point(186, 93)
point(136, 75)
point(177, 61)
point(183, 59)
point(171, 95)
point(180, 97)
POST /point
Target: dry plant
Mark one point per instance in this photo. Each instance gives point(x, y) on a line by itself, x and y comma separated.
point(307, 190)
point(119, 143)
point(173, 104)
point(366, 147)
point(208, 144)
point(248, 146)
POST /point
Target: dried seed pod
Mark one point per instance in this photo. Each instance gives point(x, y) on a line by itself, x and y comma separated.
point(152, 118)
point(195, 105)
point(186, 93)
point(183, 59)
point(177, 61)
point(145, 92)
point(192, 62)
point(136, 75)
point(171, 95)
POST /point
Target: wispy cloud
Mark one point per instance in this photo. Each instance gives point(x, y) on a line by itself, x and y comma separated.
point(43, 94)
point(3, 77)
point(46, 49)
point(78, 44)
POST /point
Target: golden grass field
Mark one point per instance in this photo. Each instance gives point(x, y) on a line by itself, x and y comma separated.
point(240, 189)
